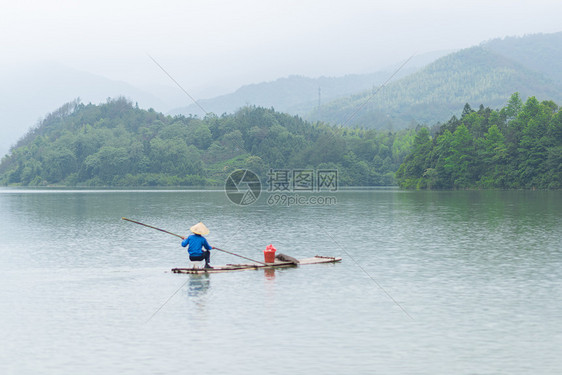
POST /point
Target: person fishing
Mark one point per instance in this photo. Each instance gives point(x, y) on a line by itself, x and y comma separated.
point(196, 242)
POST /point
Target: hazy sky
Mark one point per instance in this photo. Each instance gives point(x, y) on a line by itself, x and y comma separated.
point(218, 45)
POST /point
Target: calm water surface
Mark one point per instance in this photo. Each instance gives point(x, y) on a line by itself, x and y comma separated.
point(479, 273)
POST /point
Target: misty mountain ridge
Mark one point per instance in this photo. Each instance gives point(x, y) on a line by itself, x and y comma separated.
point(486, 74)
point(298, 94)
point(538, 52)
point(291, 94)
point(29, 92)
point(426, 91)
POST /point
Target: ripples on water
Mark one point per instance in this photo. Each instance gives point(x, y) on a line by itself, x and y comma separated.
point(478, 271)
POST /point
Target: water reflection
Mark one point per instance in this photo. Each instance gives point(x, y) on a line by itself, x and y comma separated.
point(198, 285)
point(269, 274)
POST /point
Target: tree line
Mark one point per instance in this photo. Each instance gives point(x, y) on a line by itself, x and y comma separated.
point(516, 147)
point(118, 144)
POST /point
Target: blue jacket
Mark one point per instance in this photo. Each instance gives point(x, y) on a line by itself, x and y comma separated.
point(195, 243)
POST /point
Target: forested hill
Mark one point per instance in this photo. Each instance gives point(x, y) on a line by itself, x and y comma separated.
point(538, 52)
point(440, 90)
point(518, 146)
point(118, 144)
point(485, 74)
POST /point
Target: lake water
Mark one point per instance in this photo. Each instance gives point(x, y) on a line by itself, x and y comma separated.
point(465, 282)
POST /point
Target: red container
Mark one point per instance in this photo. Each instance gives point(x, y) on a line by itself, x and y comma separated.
point(269, 254)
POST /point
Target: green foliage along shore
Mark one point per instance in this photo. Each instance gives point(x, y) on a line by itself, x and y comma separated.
point(118, 144)
point(516, 147)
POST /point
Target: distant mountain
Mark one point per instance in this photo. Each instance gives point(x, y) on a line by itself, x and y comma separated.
point(538, 52)
point(430, 89)
point(30, 92)
point(289, 94)
point(300, 95)
point(434, 94)
point(487, 74)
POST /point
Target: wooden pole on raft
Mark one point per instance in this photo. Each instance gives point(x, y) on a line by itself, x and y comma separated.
point(228, 252)
point(182, 237)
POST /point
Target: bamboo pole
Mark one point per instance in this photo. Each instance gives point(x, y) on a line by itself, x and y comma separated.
point(182, 237)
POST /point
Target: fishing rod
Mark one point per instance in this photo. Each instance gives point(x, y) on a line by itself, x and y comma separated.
point(177, 84)
point(368, 274)
point(182, 237)
point(346, 122)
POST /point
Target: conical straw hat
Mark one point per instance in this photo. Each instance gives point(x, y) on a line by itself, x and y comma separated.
point(200, 228)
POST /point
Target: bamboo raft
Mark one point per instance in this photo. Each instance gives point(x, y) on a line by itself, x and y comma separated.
point(243, 267)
